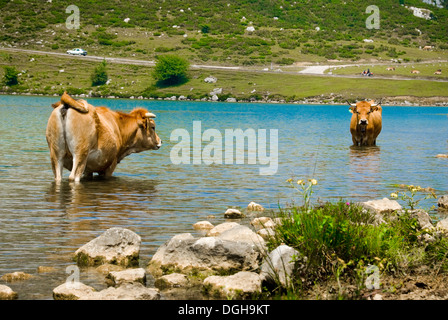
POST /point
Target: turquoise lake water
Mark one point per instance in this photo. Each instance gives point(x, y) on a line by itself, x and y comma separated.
point(43, 224)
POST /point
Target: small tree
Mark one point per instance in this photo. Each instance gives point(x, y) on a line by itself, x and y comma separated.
point(170, 70)
point(11, 76)
point(99, 75)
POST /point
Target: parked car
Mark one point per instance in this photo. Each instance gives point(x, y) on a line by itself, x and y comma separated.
point(77, 51)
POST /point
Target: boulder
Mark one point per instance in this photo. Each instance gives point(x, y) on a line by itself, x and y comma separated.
point(280, 265)
point(381, 206)
point(231, 99)
point(220, 228)
point(210, 79)
point(443, 202)
point(216, 91)
point(116, 246)
point(117, 278)
point(71, 291)
point(266, 233)
point(173, 280)
point(262, 222)
point(253, 206)
point(243, 234)
point(423, 218)
point(242, 285)
point(6, 293)
point(443, 225)
point(233, 214)
point(128, 291)
point(186, 254)
point(203, 225)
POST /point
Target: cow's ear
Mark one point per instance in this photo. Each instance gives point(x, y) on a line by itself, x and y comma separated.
point(352, 107)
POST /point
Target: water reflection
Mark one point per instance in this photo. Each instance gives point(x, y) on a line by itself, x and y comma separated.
point(117, 194)
point(365, 171)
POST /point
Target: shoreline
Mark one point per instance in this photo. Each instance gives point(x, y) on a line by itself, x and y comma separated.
point(403, 101)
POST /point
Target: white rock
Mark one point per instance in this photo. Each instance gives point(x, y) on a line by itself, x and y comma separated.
point(203, 225)
point(233, 214)
point(220, 228)
point(116, 245)
point(241, 285)
point(255, 207)
point(71, 291)
point(6, 293)
point(210, 79)
point(127, 276)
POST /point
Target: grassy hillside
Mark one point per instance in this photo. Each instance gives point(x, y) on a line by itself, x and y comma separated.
point(209, 31)
point(49, 75)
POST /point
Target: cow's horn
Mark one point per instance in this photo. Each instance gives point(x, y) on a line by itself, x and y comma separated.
point(351, 104)
point(150, 115)
point(376, 104)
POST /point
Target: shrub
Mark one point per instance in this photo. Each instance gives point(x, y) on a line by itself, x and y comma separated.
point(11, 76)
point(170, 70)
point(99, 75)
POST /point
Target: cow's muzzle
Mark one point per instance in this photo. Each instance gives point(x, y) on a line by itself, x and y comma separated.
point(363, 122)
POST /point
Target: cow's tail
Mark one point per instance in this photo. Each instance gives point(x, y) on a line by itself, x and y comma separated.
point(69, 102)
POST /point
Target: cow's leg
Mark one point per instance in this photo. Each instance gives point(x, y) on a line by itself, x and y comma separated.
point(57, 164)
point(355, 142)
point(79, 165)
point(108, 172)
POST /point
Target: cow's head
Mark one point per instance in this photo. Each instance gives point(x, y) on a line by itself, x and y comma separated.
point(146, 132)
point(362, 111)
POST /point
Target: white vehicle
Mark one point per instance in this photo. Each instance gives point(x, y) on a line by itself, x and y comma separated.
point(77, 51)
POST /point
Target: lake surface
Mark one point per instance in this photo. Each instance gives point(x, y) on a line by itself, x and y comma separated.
point(42, 224)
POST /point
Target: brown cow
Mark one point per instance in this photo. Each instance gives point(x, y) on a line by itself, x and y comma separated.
point(86, 139)
point(366, 122)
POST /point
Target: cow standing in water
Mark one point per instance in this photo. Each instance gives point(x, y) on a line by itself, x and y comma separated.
point(86, 139)
point(366, 122)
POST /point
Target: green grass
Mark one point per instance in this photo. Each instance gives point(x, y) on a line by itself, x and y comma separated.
point(341, 240)
point(426, 70)
point(43, 76)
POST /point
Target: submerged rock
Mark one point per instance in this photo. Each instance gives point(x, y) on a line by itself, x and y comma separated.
point(15, 276)
point(116, 246)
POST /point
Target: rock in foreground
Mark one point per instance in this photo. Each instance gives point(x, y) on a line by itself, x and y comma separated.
point(6, 293)
point(185, 254)
point(241, 285)
point(116, 246)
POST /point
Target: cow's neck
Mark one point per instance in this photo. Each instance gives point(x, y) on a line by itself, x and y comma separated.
point(128, 132)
